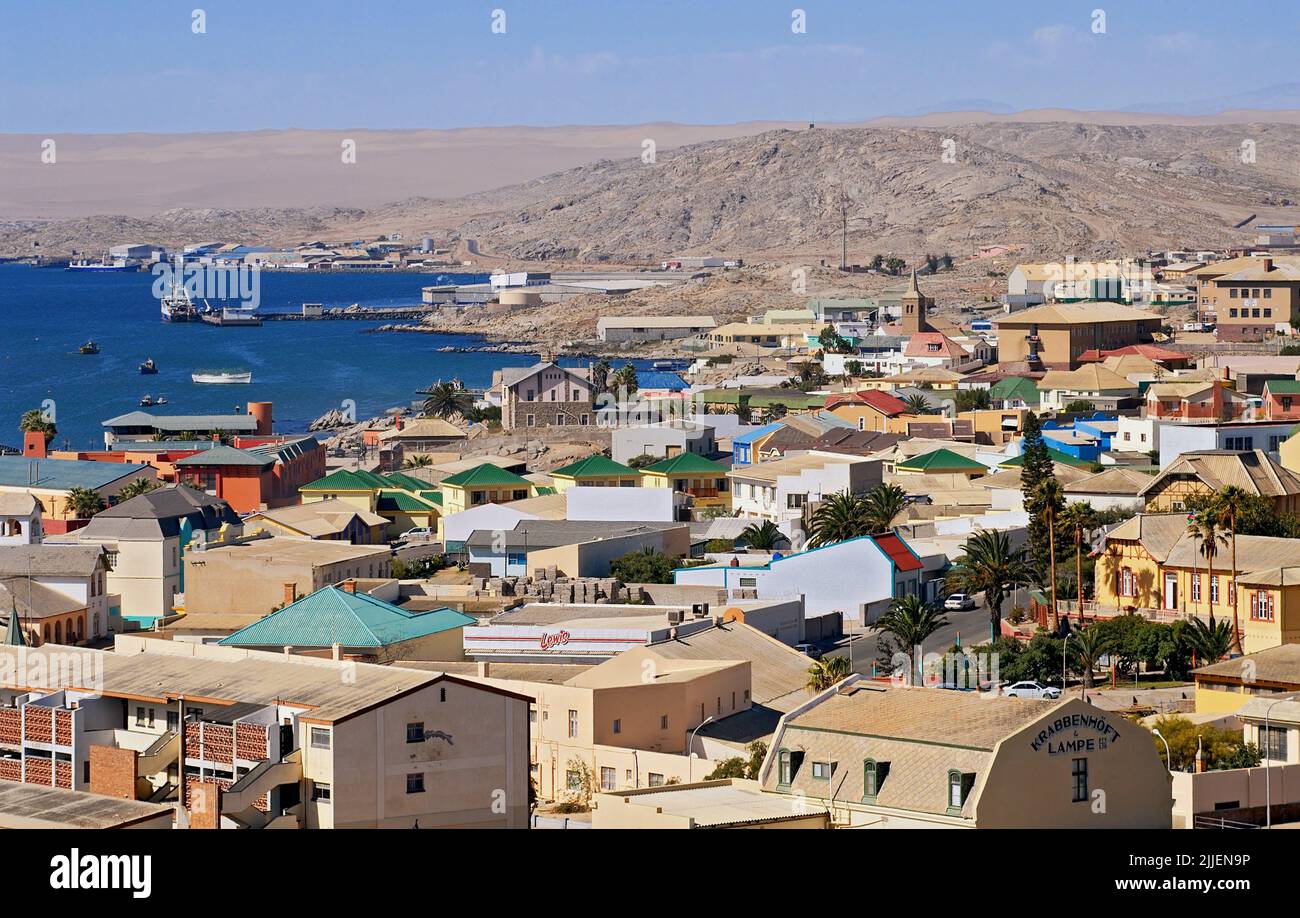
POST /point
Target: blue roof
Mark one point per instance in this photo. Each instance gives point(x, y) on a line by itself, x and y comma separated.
point(660, 379)
point(334, 616)
point(748, 438)
point(61, 474)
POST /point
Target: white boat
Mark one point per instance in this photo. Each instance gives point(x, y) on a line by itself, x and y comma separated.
point(177, 305)
point(222, 378)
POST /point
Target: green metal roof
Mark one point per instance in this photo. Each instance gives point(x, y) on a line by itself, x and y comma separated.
point(397, 500)
point(487, 475)
point(941, 460)
point(1283, 386)
point(408, 482)
point(763, 398)
point(433, 497)
point(348, 480)
point(1015, 387)
point(596, 466)
point(687, 464)
point(334, 616)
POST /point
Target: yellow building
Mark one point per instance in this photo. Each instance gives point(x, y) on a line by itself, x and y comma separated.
point(404, 501)
point(595, 472)
point(704, 479)
point(1223, 687)
point(484, 484)
point(1058, 333)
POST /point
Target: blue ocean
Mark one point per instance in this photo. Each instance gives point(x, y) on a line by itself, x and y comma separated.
point(305, 368)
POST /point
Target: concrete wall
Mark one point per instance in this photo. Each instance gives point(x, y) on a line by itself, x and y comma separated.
point(1238, 794)
point(620, 504)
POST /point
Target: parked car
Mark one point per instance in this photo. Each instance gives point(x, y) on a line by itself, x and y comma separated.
point(809, 650)
point(418, 534)
point(1031, 690)
point(959, 602)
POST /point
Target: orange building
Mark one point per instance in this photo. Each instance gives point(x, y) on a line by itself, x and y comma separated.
point(255, 476)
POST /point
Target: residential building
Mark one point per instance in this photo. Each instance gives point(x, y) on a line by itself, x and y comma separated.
point(1113, 488)
point(51, 481)
point(574, 548)
point(941, 462)
point(423, 435)
point(136, 426)
point(331, 519)
point(1192, 401)
point(20, 519)
point(1056, 335)
point(595, 471)
point(484, 484)
point(652, 328)
point(58, 591)
point(1204, 472)
point(883, 756)
point(1224, 687)
point(404, 501)
point(243, 738)
point(1136, 435)
point(148, 539)
point(687, 473)
point(255, 478)
point(784, 491)
point(1092, 383)
point(1282, 400)
point(663, 440)
point(1014, 392)
point(868, 409)
point(1174, 438)
point(258, 576)
point(544, 395)
point(1250, 297)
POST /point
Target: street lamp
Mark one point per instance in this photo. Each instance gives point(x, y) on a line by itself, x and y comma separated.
point(1168, 766)
point(690, 750)
point(1268, 771)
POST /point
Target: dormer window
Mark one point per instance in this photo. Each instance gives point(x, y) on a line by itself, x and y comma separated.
point(959, 788)
point(873, 778)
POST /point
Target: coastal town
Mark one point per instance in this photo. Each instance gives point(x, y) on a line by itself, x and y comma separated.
point(724, 571)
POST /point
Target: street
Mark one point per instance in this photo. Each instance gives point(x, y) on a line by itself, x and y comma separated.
point(973, 626)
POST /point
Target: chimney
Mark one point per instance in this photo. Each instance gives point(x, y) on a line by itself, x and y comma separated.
point(336, 651)
point(399, 422)
point(484, 669)
point(290, 593)
point(34, 444)
point(1266, 264)
point(288, 651)
point(348, 586)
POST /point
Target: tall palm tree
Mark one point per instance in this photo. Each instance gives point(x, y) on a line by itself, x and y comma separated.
point(1051, 499)
point(136, 488)
point(910, 620)
point(881, 504)
point(987, 565)
point(918, 404)
point(1232, 502)
point(837, 518)
point(1079, 519)
point(1090, 645)
point(764, 537)
point(445, 400)
point(1204, 525)
point(1209, 641)
point(826, 672)
point(84, 502)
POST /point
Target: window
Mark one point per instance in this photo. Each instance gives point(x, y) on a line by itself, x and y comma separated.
point(415, 783)
point(1239, 443)
point(1079, 774)
point(415, 732)
point(618, 725)
point(959, 787)
point(573, 724)
point(1126, 582)
point(1232, 293)
point(1214, 589)
point(321, 793)
point(656, 779)
point(663, 721)
point(749, 581)
point(530, 420)
point(795, 501)
point(320, 738)
point(1272, 742)
point(1233, 312)
point(139, 717)
point(573, 781)
point(1196, 587)
point(1261, 606)
point(516, 557)
point(1268, 293)
point(784, 772)
point(607, 779)
point(873, 776)
point(822, 771)
point(442, 694)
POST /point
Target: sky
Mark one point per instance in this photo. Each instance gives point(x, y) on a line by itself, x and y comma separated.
point(75, 66)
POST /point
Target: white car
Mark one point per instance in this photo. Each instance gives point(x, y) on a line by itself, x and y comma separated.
point(418, 534)
point(959, 602)
point(1031, 690)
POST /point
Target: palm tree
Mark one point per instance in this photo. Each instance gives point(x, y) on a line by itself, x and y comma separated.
point(1051, 498)
point(1210, 641)
point(34, 421)
point(826, 672)
point(625, 381)
point(918, 404)
point(445, 400)
point(1080, 519)
point(1232, 502)
point(1204, 525)
point(84, 502)
point(136, 488)
point(988, 564)
point(765, 537)
point(837, 518)
point(1090, 645)
point(423, 460)
point(910, 620)
point(881, 504)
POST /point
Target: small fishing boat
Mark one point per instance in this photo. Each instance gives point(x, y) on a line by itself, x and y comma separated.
point(148, 368)
point(90, 347)
point(149, 401)
point(222, 377)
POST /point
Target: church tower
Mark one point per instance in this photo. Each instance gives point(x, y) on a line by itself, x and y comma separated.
point(915, 305)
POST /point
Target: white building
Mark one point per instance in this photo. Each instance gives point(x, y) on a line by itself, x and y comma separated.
point(1135, 435)
point(1178, 437)
point(780, 490)
point(20, 518)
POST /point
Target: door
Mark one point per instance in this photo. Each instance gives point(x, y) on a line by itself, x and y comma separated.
point(1171, 591)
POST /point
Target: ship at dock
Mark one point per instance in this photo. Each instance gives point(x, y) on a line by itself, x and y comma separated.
point(177, 305)
point(104, 264)
point(230, 317)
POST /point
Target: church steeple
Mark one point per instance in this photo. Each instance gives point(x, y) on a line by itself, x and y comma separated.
point(915, 305)
point(14, 636)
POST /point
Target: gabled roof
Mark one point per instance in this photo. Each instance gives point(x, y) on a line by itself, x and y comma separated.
point(227, 455)
point(1158, 532)
point(1082, 313)
point(919, 345)
point(750, 436)
point(941, 460)
point(1015, 387)
point(1283, 386)
point(878, 399)
point(660, 379)
point(485, 476)
point(159, 513)
point(334, 616)
point(50, 560)
point(392, 501)
point(1091, 377)
point(594, 466)
point(348, 480)
point(425, 428)
point(686, 464)
point(1252, 470)
point(1117, 481)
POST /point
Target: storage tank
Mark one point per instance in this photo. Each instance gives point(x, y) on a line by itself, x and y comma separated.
point(261, 411)
point(518, 298)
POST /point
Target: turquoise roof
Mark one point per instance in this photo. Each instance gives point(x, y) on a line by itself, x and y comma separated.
point(61, 474)
point(334, 616)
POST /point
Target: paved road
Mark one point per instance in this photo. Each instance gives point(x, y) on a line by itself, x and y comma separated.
point(973, 627)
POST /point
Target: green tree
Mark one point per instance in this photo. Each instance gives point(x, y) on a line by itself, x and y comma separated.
point(909, 621)
point(988, 565)
point(853, 367)
point(831, 342)
point(641, 461)
point(1231, 502)
point(918, 404)
point(881, 505)
point(85, 502)
point(136, 488)
point(1203, 524)
point(1035, 469)
point(422, 461)
point(1080, 520)
point(827, 671)
point(1220, 748)
point(625, 381)
point(1209, 641)
point(1078, 406)
point(445, 400)
point(737, 767)
point(1051, 503)
point(34, 421)
point(973, 399)
point(1089, 644)
point(600, 371)
point(837, 518)
point(763, 536)
point(644, 566)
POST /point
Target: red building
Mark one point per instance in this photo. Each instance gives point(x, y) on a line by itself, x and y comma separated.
point(1282, 400)
point(255, 473)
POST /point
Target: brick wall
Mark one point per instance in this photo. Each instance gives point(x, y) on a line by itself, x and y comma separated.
point(251, 741)
point(11, 720)
point(113, 772)
point(39, 726)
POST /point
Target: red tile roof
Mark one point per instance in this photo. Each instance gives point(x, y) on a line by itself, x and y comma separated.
point(892, 545)
point(881, 401)
point(920, 343)
point(1149, 351)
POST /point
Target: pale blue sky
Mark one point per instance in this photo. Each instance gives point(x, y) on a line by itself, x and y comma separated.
point(135, 65)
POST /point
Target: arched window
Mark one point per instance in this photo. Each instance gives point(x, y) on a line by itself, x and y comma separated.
point(784, 772)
